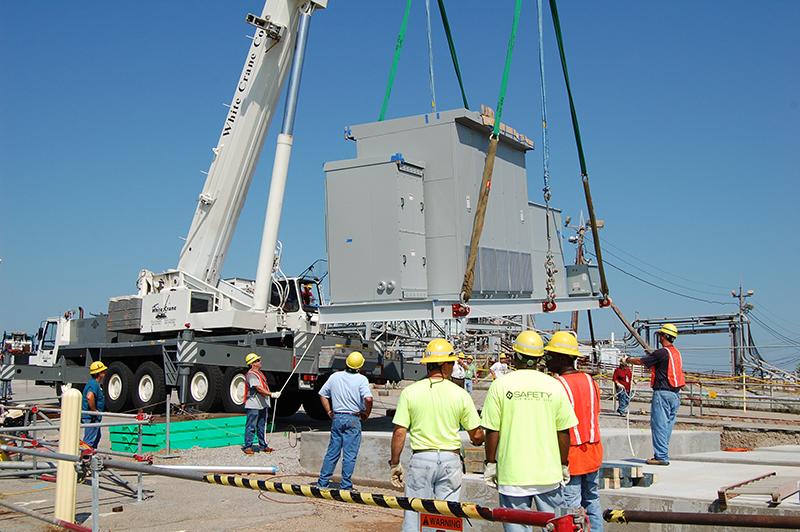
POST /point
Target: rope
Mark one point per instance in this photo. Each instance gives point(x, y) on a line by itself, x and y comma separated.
point(452, 46)
point(297, 365)
point(579, 144)
point(549, 263)
point(401, 36)
point(430, 54)
point(488, 168)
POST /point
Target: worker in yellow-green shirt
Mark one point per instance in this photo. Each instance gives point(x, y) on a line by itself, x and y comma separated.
point(432, 411)
point(527, 416)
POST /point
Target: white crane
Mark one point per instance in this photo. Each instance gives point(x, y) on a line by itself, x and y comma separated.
point(277, 51)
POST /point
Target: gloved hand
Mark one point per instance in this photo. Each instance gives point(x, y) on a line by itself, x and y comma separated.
point(397, 476)
point(490, 474)
point(565, 474)
point(276, 395)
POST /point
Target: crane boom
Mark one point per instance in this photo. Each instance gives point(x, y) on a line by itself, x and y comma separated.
point(255, 98)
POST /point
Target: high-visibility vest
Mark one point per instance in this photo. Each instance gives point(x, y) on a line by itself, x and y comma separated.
point(674, 369)
point(262, 380)
point(584, 395)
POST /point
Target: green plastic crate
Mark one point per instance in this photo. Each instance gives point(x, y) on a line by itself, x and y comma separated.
point(215, 432)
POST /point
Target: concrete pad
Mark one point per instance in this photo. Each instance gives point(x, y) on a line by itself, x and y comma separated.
point(376, 448)
point(785, 455)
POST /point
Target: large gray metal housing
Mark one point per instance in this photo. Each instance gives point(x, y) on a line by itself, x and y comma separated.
point(399, 216)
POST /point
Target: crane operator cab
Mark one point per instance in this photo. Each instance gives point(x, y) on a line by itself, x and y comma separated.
point(297, 299)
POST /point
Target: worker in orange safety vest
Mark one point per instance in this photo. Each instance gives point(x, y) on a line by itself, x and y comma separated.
point(666, 379)
point(586, 450)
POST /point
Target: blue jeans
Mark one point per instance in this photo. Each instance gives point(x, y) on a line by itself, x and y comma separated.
point(345, 441)
point(431, 475)
point(624, 400)
point(468, 385)
point(583, 490)
point(663, 410)
point(91, 435)
point(545, 502)
point(256, 425)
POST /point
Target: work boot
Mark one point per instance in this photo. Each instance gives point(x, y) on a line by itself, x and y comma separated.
point(248, 450)
point(266, 449)
point(656, 461)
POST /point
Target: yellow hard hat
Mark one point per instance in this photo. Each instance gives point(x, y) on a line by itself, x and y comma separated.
point(529, 343)
point(669, 329)
point(251, 358)
point(461, 354)
point(438, 351)
point(97, 367)
point(564, 342)
point(355, 360)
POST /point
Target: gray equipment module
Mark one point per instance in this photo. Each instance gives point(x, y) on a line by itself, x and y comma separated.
point(399, 216)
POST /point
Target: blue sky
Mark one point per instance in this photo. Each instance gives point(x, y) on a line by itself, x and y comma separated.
point(689, 114)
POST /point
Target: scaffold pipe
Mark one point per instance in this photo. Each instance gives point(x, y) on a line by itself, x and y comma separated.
point(705, 519)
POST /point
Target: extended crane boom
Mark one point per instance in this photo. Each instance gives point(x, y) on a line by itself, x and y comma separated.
point(241, 139)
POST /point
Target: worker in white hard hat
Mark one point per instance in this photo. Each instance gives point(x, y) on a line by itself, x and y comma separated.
point(667, 380)
point(347, 399)
point(527, 417)
point(256, 406)
point(582, 484)
point(432, 411)
point(470, 371)
point(94, 400)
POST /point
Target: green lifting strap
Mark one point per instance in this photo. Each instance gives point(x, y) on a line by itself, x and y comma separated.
point(488, 169)
point(579, 144)
point(507, 69)
point(451, 43)
point(397, 48)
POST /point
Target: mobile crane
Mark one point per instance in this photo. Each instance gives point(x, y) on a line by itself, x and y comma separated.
point(189, 328)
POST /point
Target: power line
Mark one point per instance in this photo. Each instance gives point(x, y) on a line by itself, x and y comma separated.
point(605, 242)
point(753, 315)
point(662, 278)
point(654, 285)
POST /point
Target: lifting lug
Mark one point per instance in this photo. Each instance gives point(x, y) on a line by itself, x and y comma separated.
point(273, 31)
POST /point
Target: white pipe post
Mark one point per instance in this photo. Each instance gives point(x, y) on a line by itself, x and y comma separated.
point(68, 441)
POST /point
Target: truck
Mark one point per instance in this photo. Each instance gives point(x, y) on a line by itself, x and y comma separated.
point(394, 274)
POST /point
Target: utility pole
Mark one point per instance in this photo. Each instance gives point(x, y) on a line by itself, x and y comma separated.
point(738, 351)
point(579, 238)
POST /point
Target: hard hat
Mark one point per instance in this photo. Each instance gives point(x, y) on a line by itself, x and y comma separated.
point(251, 358)
point(529, 343)
point(438, 351)
point(669, 329)
point(355, 360)
point(461, 354)
point(97, 367)
point(564, 342)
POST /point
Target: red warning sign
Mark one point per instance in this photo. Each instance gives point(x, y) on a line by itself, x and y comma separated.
point(440, 523)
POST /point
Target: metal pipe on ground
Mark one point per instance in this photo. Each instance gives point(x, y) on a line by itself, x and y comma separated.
point(47, 519)
point(27, 473)
point(687, 518)
point(263, 470)
point(51, 428)
point(93, 413)
point(26, 465)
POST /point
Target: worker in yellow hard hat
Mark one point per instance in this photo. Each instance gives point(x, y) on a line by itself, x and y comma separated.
point(458, 370)
point(256, 406)
point(432, 411)
point(527, 416)
point(94, 400)
point(347, 399)
point(667, 380)
point(582, 478)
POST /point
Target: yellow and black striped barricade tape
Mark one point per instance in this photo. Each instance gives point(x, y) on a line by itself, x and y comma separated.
point(569, 522)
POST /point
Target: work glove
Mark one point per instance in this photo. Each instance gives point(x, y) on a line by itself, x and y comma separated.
point(397, 476)
point(276, 395)
point(565, 474)
point(490, 474)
